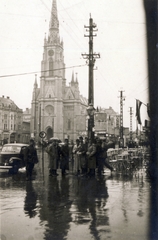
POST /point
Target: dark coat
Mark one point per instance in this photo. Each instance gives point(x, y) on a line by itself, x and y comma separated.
point(91, 156)
point(64, 163)
point(30, 155)
point(82, 155)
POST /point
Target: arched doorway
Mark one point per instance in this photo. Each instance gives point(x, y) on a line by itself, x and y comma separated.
point(49, 133)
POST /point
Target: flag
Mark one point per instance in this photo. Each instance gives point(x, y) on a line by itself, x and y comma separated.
point(138, 105)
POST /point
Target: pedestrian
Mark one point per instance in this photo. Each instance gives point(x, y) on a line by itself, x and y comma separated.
point(31, 158)
point(64, 164)
point(53, 153)
point(91, 154)
point(77, 167)
point(71, 145)
point(82, 155)
point(100, 156)
point(105, 147)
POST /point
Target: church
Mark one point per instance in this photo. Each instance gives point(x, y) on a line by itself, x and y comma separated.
point(57, 109)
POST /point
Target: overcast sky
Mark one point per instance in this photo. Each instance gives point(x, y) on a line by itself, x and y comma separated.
point(120, 40)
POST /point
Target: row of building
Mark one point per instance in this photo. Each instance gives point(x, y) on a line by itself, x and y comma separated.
point(17, 125)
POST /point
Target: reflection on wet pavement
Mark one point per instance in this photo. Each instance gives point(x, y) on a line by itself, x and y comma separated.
point(110, 207)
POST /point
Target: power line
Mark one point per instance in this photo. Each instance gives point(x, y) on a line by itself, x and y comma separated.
point(19, 74)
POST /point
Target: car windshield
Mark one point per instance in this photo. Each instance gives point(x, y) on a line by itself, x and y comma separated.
point(11, 149)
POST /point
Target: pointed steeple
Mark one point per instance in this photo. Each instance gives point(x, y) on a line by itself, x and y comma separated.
point(76, 78)
point(35, 83)
point(54, 22)
point(54, 25)
point(72, 79)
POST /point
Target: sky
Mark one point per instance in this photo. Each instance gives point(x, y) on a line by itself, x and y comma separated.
point(120, 41)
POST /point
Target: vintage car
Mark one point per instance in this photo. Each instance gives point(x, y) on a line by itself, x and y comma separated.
point(12, 157)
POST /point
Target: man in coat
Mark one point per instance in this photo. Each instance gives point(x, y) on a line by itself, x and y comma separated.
point(30, 158)
point(82, 155)
point(91, 154)
point(53, 152)
point(64, 164)
point(77, 167)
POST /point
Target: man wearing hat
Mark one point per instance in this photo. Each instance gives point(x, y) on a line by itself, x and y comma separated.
point(82, 155)
point(31, 158)
point(64, 164)
point(53, 152)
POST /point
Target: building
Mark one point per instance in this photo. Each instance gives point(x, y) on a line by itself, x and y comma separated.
point(26, 125)
point(107, 122)
point(10, 121)
point(57, 109)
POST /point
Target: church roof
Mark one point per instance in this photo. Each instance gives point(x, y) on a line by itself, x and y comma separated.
point(83, 100)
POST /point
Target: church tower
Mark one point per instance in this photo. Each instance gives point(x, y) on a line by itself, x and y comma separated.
point(56, 109)
point(52, 80)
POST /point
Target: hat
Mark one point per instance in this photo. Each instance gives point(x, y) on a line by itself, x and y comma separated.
point(32, 140)
point(80, 137)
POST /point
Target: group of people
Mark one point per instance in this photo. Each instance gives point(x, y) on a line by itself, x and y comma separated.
point(86, 155)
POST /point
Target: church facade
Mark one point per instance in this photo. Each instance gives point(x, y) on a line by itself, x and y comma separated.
point(57, 109)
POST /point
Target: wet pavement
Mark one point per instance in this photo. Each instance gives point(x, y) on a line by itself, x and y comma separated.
point(115, 206)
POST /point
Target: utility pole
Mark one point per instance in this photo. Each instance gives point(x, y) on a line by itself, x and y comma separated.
point(91, 57)
point(121, 118)
point(131, 113)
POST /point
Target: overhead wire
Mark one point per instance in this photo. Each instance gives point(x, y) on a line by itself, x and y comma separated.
point(18, 74)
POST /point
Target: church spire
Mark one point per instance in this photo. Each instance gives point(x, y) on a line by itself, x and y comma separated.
point(54, 26)
point(72, 79)
point(76, 78)
point(35, 83)
point(54, 22)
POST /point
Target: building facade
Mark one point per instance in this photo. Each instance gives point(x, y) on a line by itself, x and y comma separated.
point(10, 121)
point(107, 122)
point(57, 109)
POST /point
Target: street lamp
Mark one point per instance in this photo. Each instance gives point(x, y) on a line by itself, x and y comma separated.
point(90, 112)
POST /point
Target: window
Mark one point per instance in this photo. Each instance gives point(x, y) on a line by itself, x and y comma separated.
point(69, 124)
point(51, 68)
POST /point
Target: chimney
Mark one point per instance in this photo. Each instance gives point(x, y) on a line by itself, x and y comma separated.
point(7, 97)
point(2, 96)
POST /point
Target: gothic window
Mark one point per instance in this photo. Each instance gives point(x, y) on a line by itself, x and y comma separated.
point(69, 124)
point(51, 68)
point(49, 95)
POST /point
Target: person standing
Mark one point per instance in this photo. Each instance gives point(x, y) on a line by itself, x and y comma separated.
point(53, 153)
point(105, 147)
point(64, 164)
point(91, 155)
point(100, 156)
point(77, 167)
point(30, 158)
point(82, 155)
